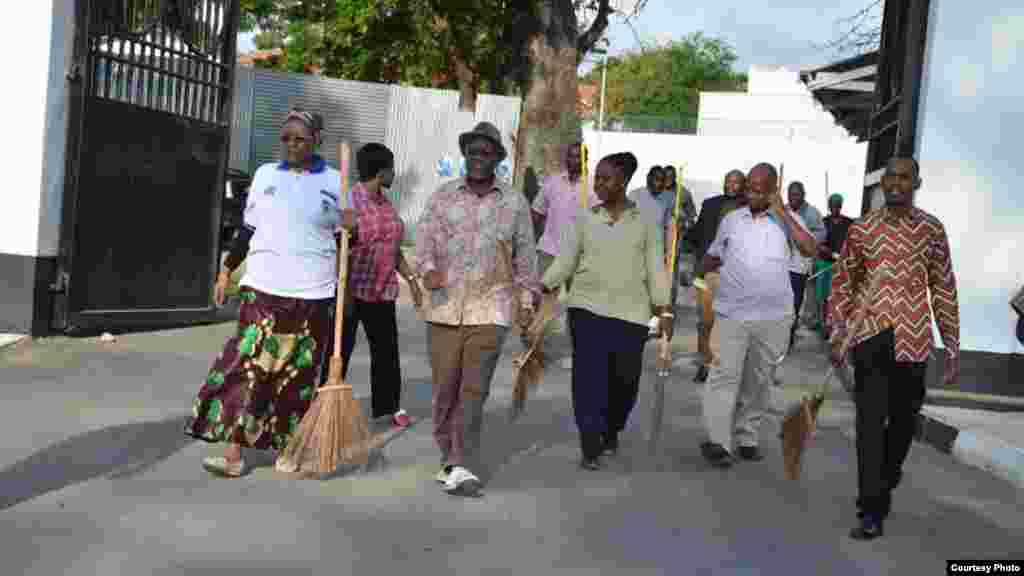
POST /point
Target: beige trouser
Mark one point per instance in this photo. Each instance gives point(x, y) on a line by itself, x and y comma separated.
point(736, 391)
point(462, 360)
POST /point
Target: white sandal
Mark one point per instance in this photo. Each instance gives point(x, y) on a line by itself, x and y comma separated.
point(220, 466)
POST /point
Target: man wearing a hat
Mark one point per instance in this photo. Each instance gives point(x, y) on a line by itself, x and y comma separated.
point(473, 297)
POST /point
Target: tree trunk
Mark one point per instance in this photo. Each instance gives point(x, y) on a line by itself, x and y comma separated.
point(549, 122)
point(469, 82)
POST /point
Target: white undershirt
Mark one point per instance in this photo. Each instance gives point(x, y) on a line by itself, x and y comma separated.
point(294, 215)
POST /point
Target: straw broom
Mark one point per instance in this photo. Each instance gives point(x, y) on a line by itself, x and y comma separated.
point(334, 431)
point(531, 363)
point(663, 363)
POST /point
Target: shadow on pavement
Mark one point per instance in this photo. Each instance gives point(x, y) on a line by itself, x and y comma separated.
point(545, 422)
point(116, 452)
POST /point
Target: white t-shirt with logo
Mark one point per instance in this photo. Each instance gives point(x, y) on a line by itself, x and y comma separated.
point(294, 216)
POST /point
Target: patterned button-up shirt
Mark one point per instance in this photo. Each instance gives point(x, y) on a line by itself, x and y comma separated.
point(460, 234)
point(374, 254)
point(915, 249)
point(559, 202)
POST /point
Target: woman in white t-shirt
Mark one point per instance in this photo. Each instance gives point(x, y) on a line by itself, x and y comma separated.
point(264, 380)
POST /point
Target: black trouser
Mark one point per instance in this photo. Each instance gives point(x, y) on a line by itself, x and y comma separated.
point(608, 357)
point(889, 395)
point(799, 283)
point(380, 323)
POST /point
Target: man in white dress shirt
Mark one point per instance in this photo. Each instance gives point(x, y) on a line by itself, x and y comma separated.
point(753, 310)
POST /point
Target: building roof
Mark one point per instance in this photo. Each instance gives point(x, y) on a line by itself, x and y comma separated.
point(587, 96)
point(250, 58)
point(847, 90)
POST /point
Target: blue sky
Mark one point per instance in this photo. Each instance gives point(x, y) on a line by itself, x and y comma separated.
point(778, 33)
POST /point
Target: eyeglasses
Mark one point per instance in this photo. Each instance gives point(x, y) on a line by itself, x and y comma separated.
point(296, 139)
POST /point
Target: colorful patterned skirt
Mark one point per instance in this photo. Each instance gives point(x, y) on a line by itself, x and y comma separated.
point(263, 382)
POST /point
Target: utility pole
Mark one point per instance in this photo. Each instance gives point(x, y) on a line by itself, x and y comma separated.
point(604, 79)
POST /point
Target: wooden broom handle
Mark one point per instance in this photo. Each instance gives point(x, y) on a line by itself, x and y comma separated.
point(665, 347)
point(857, 318)
point(339, 304)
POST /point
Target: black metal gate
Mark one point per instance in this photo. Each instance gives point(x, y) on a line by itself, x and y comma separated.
point(151, 93)
point(892, 127)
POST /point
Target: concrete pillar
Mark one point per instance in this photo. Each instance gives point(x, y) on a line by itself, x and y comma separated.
point(40, 50)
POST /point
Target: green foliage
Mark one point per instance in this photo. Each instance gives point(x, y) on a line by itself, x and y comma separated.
point(667, 81)
point(413, 42)
point(257, 14)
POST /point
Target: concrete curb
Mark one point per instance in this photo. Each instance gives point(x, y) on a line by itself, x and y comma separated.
point(972, 448)
point(969, 447)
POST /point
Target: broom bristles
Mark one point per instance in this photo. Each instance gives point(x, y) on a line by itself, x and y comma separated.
point(333, 432)
point(529, 374)
point(797, 427)
point(530, 365)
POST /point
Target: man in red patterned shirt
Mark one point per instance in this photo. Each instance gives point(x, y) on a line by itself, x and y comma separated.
point(907, 250)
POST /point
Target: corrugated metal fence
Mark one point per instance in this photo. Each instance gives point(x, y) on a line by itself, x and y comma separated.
point(421, 126)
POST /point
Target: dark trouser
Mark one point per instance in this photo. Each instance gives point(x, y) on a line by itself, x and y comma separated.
point(889, 395)
point(799, 283)
point(607, 361)
point(380, 323)
point(463, 360)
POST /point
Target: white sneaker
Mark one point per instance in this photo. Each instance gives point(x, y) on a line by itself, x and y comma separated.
point(462, 482)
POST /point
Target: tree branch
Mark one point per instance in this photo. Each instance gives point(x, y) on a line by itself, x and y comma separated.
point(863, 31)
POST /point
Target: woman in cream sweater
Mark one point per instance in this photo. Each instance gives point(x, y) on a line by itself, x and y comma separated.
point(615, 258)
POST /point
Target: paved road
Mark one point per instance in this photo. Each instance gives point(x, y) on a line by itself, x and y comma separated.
point(96, 478)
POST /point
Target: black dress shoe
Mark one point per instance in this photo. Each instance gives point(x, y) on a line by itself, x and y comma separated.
point(716, 455)
point(702, 374)
point(590, 463)
point(611, 444)
point(751, 453)
point(869, 529)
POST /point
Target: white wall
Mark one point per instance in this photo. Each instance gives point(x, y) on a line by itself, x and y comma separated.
point(708, 158)
point(969, 122)
point(776, 120)
point(423, 130)
point(776, 104)
point(26, 106)
point(774, 80)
